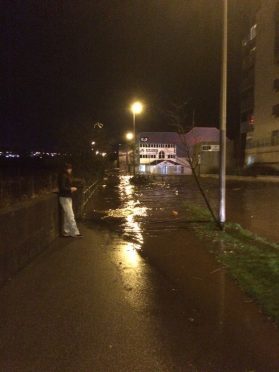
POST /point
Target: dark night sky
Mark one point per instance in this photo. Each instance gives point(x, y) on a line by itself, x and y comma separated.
point(69, 63)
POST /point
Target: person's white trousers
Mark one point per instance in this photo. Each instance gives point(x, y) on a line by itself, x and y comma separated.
point(69, 226)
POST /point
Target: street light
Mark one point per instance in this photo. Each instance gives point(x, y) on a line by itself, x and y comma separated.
point(223, 117)
point(136, 109)
point(129, 136)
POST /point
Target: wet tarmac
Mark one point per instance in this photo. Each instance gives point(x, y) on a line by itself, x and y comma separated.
point(138, 293)
point(153, 220)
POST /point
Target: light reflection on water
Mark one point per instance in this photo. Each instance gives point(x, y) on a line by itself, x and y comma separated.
point(130, 255)
point(133, 269)
point(131, 210)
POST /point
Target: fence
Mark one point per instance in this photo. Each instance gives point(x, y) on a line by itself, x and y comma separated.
point(21, 187)
point(16, 188)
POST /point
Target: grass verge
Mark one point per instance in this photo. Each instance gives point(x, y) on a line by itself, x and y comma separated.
point(251, 260)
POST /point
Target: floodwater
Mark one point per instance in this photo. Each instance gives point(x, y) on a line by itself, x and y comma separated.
point(228, 332)
point(255, 206)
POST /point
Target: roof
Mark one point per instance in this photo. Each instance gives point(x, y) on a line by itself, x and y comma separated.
point(193, 137)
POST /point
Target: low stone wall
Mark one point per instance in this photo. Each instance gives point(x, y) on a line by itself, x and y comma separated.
point(26, 229)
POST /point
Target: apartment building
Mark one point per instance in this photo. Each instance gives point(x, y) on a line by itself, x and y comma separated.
point(260, 87)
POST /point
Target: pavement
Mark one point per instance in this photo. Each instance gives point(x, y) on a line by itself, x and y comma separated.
point(138, 293)
point(82, 306)
point(95, 304)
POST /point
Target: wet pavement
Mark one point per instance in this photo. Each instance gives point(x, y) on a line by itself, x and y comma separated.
point(138, 293)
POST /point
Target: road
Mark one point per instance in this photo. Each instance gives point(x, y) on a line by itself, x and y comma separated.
point(138, 293)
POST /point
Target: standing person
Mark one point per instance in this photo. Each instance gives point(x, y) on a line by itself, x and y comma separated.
point(66, 190)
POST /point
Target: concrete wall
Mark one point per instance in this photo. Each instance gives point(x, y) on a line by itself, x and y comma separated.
point(26, 229)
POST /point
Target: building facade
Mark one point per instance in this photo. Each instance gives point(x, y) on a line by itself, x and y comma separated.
point(169, 152)
point(260, 88)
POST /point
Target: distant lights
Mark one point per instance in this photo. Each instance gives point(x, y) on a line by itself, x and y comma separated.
point(32, 154)
point(9, 155)
point(39, 154)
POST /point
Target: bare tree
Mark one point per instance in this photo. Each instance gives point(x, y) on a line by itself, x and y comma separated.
point(178, 116)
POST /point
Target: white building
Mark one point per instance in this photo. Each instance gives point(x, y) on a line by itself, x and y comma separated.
point(167, 152)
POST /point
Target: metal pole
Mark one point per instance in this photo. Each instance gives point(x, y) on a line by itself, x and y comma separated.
point(134, 144)
point(223, 118)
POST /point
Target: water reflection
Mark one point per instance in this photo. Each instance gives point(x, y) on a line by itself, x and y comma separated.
point(130, 212)
point(132, 258)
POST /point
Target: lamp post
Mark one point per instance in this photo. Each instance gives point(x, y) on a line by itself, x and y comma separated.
point(223, 117)
point(129, 138)
point(136, 109)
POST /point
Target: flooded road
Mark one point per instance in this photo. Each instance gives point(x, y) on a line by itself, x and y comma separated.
point(255, 206)
point(138, 293)
point(226, 331)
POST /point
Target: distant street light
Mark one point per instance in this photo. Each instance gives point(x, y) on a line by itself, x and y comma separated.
point(97, 152)
point(129, 136)
point(93, 143)
point(223, 117)
point(136, 109)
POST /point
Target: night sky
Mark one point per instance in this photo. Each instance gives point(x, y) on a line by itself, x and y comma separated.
point(69, 63)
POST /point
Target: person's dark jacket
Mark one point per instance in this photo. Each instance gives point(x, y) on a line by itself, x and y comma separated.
point(64, 185)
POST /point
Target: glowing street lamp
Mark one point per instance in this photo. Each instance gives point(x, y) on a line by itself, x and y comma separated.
point(93, 143)
point(136, 108)
point(129, 136)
